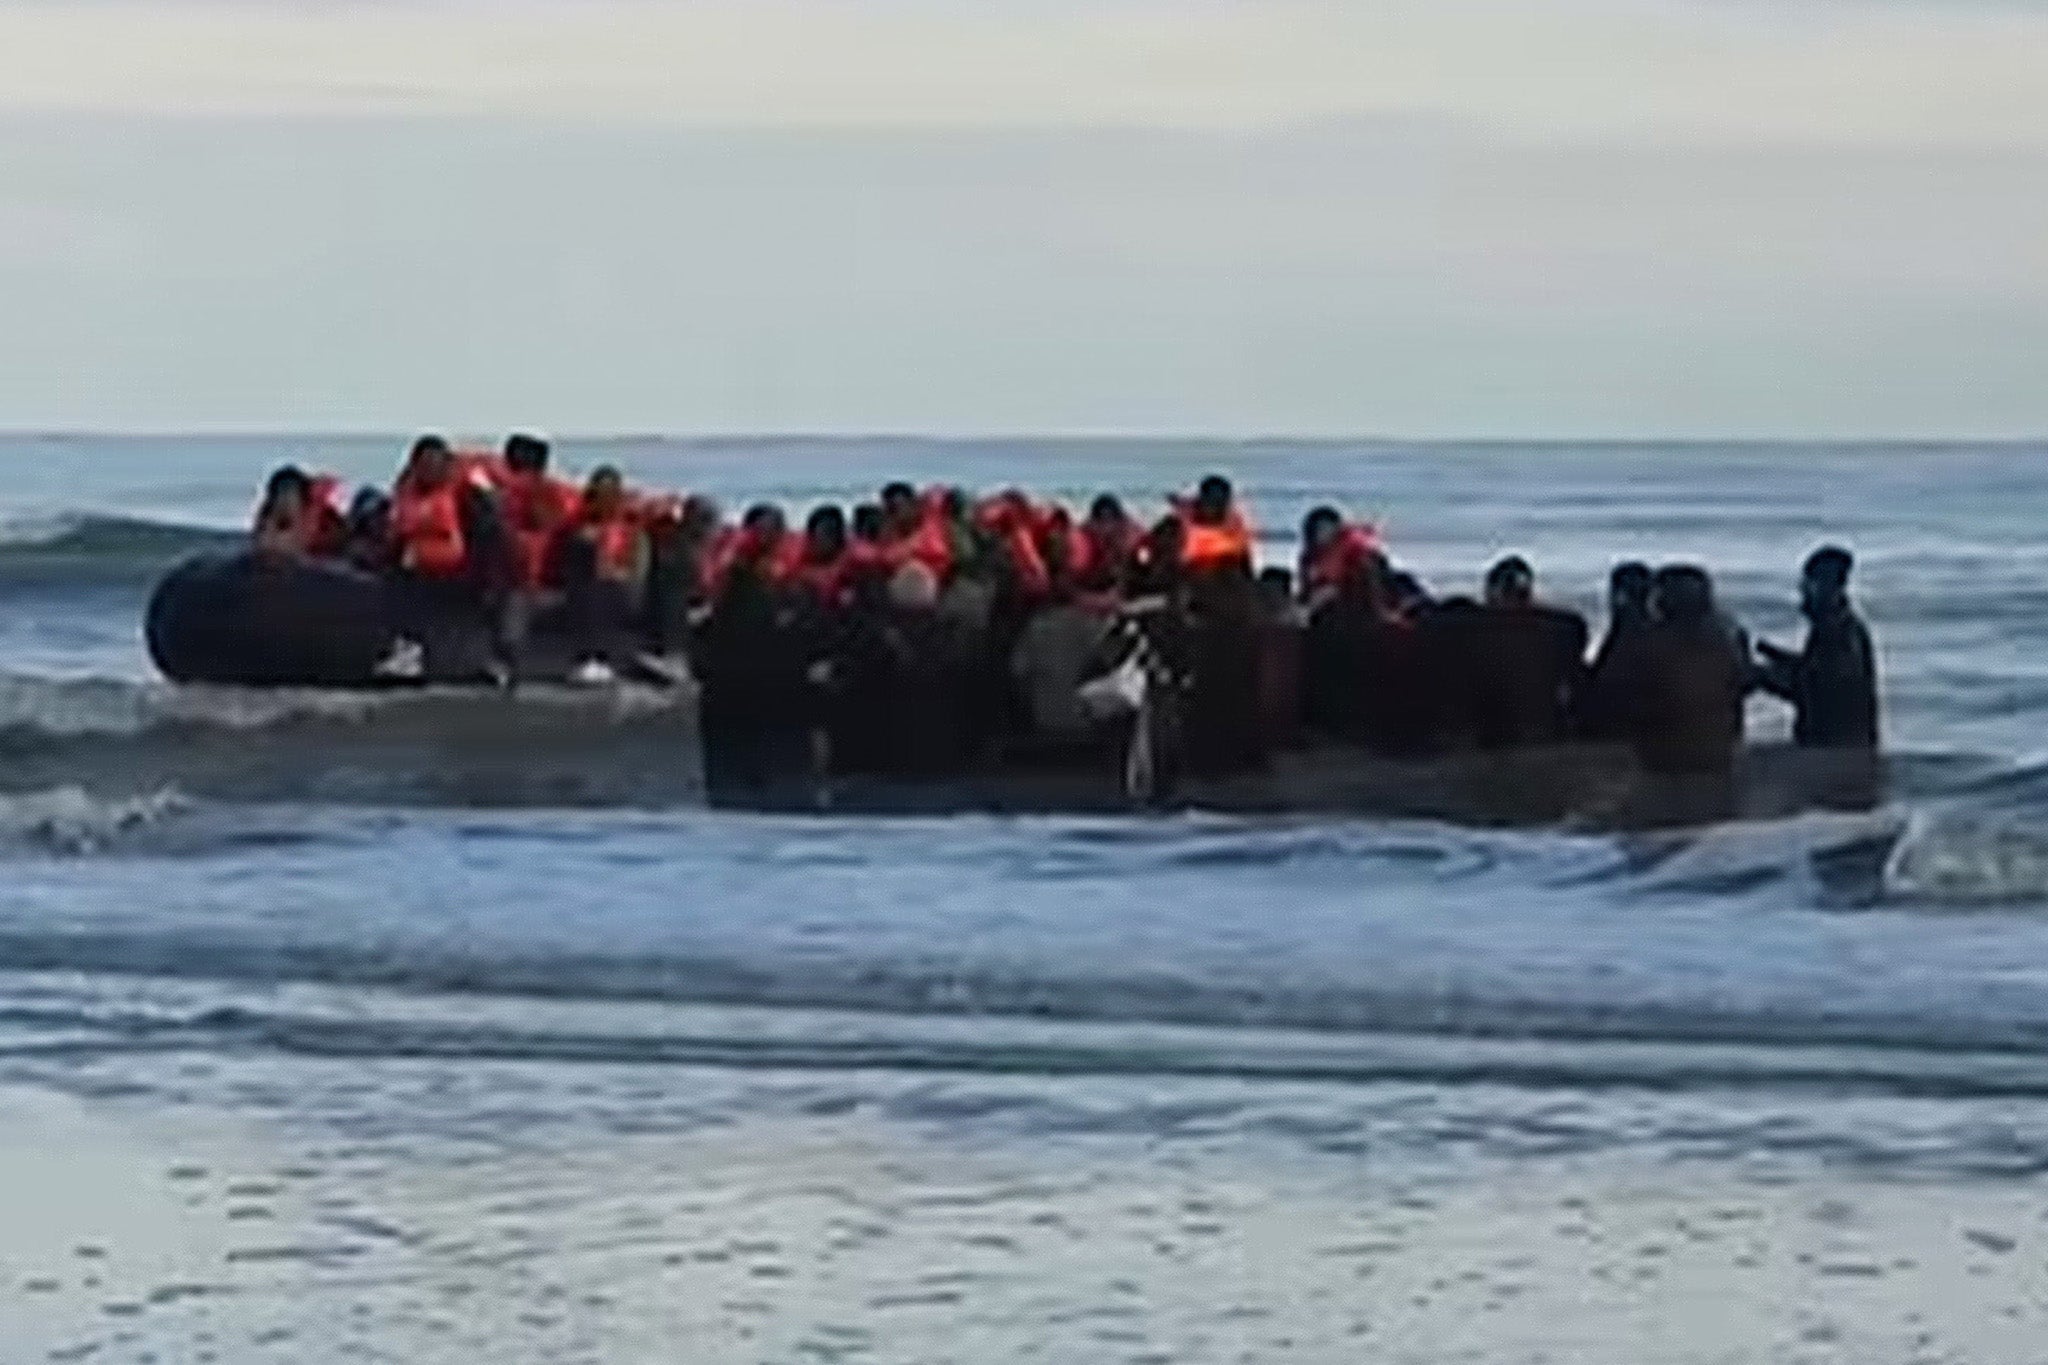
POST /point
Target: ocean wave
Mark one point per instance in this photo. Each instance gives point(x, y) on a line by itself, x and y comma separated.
point(75, 1015)
point(92, 546)
point(539, 746)
point(71, 820)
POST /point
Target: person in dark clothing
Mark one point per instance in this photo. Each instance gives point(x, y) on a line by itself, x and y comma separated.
point(679, 551)
point(1225, 730)
point(754, 709)
point(1832, 681)
point(926, 719)
point(1605, 708)
point(1282, 660)
point(1528, 661)
point(1687, 675)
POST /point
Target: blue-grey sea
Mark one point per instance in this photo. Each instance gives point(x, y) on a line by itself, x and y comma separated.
point(403, 930)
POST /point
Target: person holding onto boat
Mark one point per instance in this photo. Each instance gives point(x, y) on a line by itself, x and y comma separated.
point(1685, 681)
point(1606, 707)
point(447, 553)
point(299, 517)
point(1524, 662)
point(602, 562)
point(1831, 680)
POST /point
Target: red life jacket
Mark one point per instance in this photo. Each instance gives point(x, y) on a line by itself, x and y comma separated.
point(616, 539)
point(481, 468)
point(1207, 546)
point(930, 543)
point(1012, 522)
point(828, 581)
point(1344, 555)
point(1106, 551)
point(427, 527)
point(778, 562)
point(324, 530)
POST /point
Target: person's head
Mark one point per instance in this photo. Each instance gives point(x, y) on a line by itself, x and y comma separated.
point(1276, 590)
point(914, 587)
point(868, 522)
point(430, 463)
point(526, 454)
point(1824, 581)
point(1212, 499)
point(1107, 513)
point(825, 532)
point(899, 506)
point(764, 522)
point(700, 516)
point(288, 487)
point(1510, 583)
point(1683, 594)
point(1320, 527)
point(605, 494)
point(1628, 589)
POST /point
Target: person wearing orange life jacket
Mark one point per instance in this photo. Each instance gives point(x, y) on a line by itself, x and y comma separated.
point(1333, 552)
point(445, 538)
point(826, 570)
point(919, 527)
point(763, 545)
point(1216, 537)
point(427, 521)
point(1106, 549)
point(300, 516)
point(536, 509)
point(1011, 523)
point(603, 565)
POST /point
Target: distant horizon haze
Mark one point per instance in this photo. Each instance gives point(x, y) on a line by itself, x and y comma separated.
point(1472, 219)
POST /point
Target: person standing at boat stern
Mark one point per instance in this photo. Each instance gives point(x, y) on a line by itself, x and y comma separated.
point(1831, 681)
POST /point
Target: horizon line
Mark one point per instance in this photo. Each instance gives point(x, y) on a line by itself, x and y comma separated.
point(1050, 437)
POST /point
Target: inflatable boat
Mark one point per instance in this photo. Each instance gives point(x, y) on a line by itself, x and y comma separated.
point(247, 621)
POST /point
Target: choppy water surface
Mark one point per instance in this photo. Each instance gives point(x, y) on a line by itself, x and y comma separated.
point(479, 882)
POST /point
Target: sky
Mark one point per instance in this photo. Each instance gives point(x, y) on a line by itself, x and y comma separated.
point(1428, 218)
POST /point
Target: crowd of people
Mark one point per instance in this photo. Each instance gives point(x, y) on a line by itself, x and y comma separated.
point(929, 631)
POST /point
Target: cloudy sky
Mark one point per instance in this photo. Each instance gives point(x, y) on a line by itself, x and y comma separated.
point(1419, 217)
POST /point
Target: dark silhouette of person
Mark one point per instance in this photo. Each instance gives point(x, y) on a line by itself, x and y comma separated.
point(1832, 681)
point(755, 706)
point(1686, 679)
point(1605, 706)
point(1528, 661)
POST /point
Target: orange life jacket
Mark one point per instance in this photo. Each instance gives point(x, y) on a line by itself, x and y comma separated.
point(1207, 546)
point(319, 528)
point(427, 526)
point(1012, 522)
point(536, 508)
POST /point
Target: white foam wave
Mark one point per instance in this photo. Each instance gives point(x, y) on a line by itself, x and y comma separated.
point(1968, 859)
point(72, 820)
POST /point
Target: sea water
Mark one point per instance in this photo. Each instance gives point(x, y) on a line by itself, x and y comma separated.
point(421, 926)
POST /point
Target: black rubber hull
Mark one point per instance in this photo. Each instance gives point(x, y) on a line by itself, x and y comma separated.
point(240, 620)
point(1583, 786)
point(236, 619)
